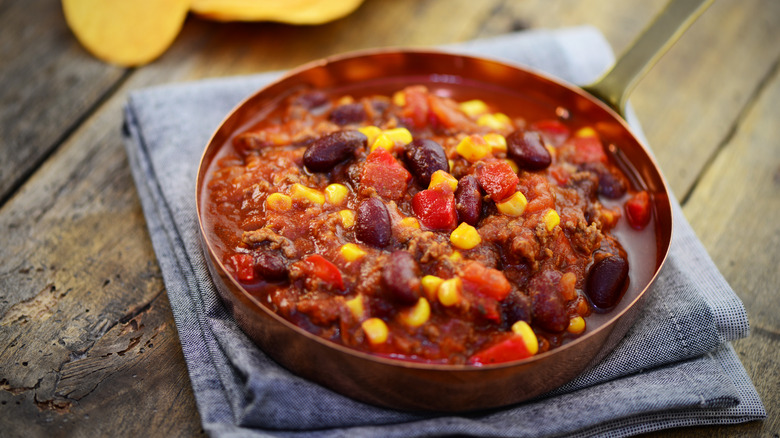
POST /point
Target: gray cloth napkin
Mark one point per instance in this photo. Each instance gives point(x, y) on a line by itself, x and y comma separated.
point(674, 368)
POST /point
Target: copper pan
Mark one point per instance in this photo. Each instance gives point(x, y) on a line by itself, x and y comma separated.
point(456, 388)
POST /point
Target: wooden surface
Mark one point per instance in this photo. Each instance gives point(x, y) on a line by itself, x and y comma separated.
point(88, 345)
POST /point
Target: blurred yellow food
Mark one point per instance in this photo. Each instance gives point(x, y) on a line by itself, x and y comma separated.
point(126, 32)
point(286, 11)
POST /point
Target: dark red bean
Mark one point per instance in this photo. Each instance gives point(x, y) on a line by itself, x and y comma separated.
point(549, 308)
point(516, 307)
point(468, 200)
point(348, 114)
point(527, 149)
point(401, 278)
point(312, 99)
point(605, 283)
point(372, 225)
point(611, 185)
point(423, 157)
point(270, 266)
point(329, 150)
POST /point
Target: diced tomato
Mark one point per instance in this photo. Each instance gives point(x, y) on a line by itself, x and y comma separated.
point(435, 208)
point(485, 281)
point(415, 108)
point(497, 179)
point(386, 175)
point(638, 210)
point(326, 271)
point(560, 174)
point(508, 350)
point(244, 265)
point(553, 131)
point(448, 114)
point(588, 150)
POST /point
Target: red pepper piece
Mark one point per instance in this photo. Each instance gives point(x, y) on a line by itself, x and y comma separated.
point(553, 131)
point(385, 174)
point(416, 108)
point(588, 149)
point(485, 281)
point(498, 180)
point(324, 270)
point(638, 210)
point(511, 349)
point(435, 208)
point(244, 265)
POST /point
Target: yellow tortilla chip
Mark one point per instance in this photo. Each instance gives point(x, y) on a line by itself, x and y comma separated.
point(285, 11)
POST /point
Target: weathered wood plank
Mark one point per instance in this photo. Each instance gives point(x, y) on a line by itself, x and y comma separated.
point(49, 83)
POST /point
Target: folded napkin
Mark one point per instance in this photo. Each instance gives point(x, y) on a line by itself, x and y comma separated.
point(675, 366)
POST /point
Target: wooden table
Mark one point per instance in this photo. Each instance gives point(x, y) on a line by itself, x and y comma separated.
point(88, 345)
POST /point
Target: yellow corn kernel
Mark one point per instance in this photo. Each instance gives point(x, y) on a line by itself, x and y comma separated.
point(398, 135)
point(473, 108)
point(450, 164)
point(347, 218)
point(303, 193)
point(336, 193)
point(465, 236)
point(355, 305)
point(576, 325)
point(497, 142)
point(442, 177)
point(512, 165)
point(551, 219)
point(372, 132)
point(449, 291)
point(514, 205)
point(399, 98)
point(495, 121)
point(416, 315)
point(473, 148)
point(278, 202)
point(410, 222)
point(375, 330)
point(586, 132)
point(522, 329)
point(430, 284)
point(351, 252)
point(383, 141)
point(456, 256)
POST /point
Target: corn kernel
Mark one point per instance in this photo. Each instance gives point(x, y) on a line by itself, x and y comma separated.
point(442, 177)
point(495, 121)
point(512, 165)
point(497, 142)
point(430, 284)
point(465, 236)
point(355, 306)
point(351, 252)
point(449, 291)
point(450, 164)
point(576, 325)
point(278, 202)
point(514, 205)
point(336, 193)
point(398, 135)
point(456, 256)
point(522, 329)
point(551, 219)
point(473, 108)
point(416, 315)
point(384, 142)
point(347, 218)
point(376, 330)
point(399, 98)
point(410, 222)
point(372, 132)
point(473, 148)
point(586, 132)
point(301, 193)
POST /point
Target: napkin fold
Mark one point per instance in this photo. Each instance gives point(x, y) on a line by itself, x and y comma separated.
point(675, 367)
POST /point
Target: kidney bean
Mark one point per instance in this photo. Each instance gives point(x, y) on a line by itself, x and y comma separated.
point(516, 307)
point(604, 285)
point(270, 265)
point(329, 150)
point(372, 224)
point(423, 157)
point(348, 113)
point(549, 309)
point(610, 185)
point(312, 99)
point(468, 200)
point(527, 149)
point(401, 278)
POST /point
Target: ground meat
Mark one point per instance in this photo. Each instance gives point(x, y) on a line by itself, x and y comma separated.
point(263, 235)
